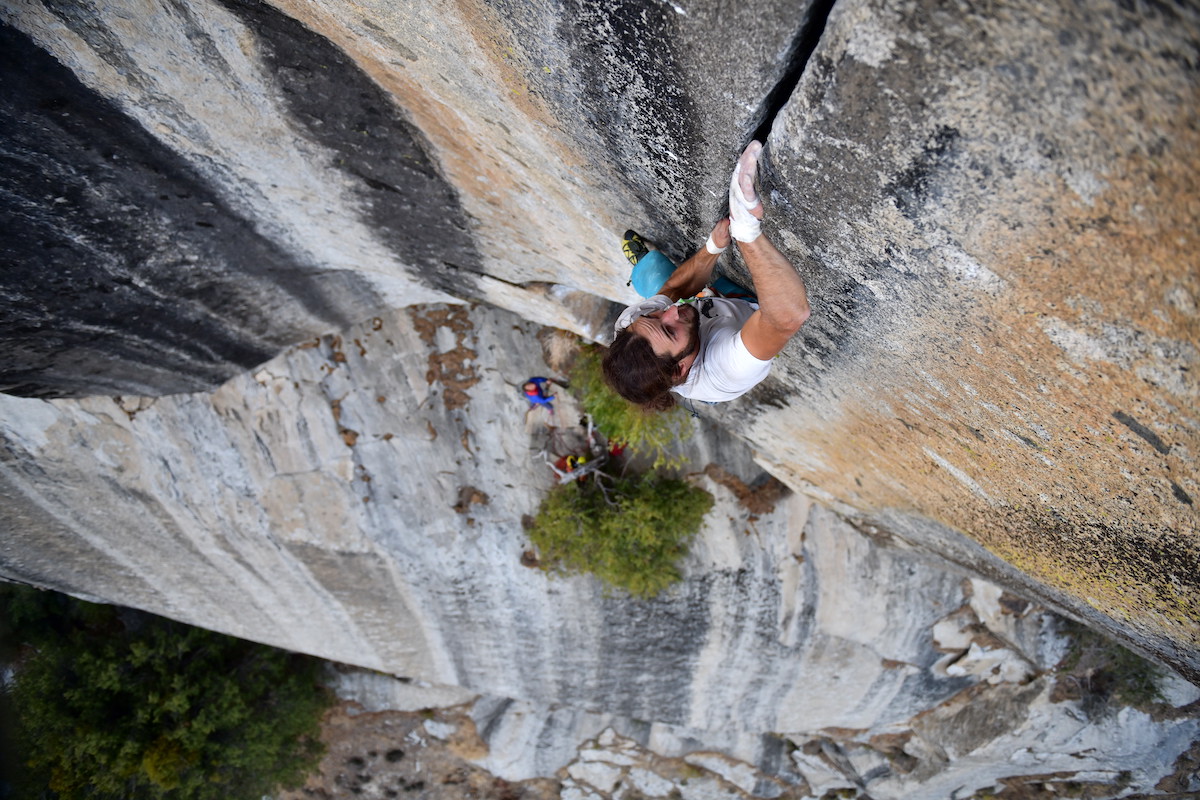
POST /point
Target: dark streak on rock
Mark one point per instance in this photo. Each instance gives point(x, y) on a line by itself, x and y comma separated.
point(1142, 431)
point(914, 187)
point(1180, 494)
point(771, 392)
point(123, 272)
point(410, 205)
point(635, 124)
point(1025, 440)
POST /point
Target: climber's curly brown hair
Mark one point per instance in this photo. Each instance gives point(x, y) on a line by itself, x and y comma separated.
point(633, 370)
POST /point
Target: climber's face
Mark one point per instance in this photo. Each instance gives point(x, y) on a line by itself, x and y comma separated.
point(672, 333)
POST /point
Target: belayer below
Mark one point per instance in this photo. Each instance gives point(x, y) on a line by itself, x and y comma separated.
point(535, 393)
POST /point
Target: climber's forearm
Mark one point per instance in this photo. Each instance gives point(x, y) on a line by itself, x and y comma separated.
point(694, 274)
point(691, 276)
point(782, 299)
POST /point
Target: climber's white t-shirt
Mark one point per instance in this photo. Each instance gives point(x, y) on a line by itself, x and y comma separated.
point(724, 368)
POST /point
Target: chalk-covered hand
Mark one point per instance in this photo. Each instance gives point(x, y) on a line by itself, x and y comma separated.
point(745, 209)
point(660, 302)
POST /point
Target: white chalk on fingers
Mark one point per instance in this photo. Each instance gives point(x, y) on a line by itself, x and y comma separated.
point(743, 225)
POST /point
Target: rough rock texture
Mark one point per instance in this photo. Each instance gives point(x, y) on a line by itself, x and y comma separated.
point(1004, 259)
point(994, 207)
point(967, 748)
point(360, 497)
point(378, 752)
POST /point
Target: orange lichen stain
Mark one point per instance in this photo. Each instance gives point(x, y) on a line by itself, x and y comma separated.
point(1143, 590)
point(468, 496)
point(453, 369)
point(335, 350)
point(760, 499)
point(491, 164)
point(842, 734)
point(1050, 420)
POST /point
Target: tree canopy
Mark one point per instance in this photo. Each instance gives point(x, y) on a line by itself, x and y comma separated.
point(117, 703)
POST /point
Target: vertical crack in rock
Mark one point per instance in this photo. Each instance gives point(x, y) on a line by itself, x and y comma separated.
point(409, 204)
point(825, 340)
point(801, 51)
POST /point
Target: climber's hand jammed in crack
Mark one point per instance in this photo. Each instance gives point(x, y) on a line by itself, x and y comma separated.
point(717, 348)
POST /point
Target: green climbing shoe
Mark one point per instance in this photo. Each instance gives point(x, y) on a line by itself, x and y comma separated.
point(633, 247)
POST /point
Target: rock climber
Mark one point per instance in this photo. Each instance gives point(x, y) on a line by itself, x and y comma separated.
point(535, 393)
point(714, 348)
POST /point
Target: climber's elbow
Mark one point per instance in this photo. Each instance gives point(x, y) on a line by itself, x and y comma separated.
point(803, 312)
point(791, 320)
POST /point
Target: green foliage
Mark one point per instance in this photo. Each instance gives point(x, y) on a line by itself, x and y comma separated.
point(650, 435)
point(1103, 669)
point(115, 703)
point(629, 535)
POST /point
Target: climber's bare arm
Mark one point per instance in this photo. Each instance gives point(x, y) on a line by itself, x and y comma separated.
point(694, 274)
point(782, 298)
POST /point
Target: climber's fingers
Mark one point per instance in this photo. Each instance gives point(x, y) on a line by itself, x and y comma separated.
point(745, 208)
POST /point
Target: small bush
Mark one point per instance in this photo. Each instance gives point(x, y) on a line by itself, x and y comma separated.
point(116, 703)
point(1097, 669)
point(630, 534)
point(646, 435)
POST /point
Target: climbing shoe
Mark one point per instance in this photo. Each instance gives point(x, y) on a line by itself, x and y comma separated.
point(633, 247)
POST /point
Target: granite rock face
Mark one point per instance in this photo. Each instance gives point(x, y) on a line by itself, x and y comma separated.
point(129, 268)
point(605, 757)
point(360, 497)
point(245, 210)
point(1004, 261)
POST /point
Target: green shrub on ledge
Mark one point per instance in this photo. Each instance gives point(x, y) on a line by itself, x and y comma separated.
point(629, 532)
point(1097, 670)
